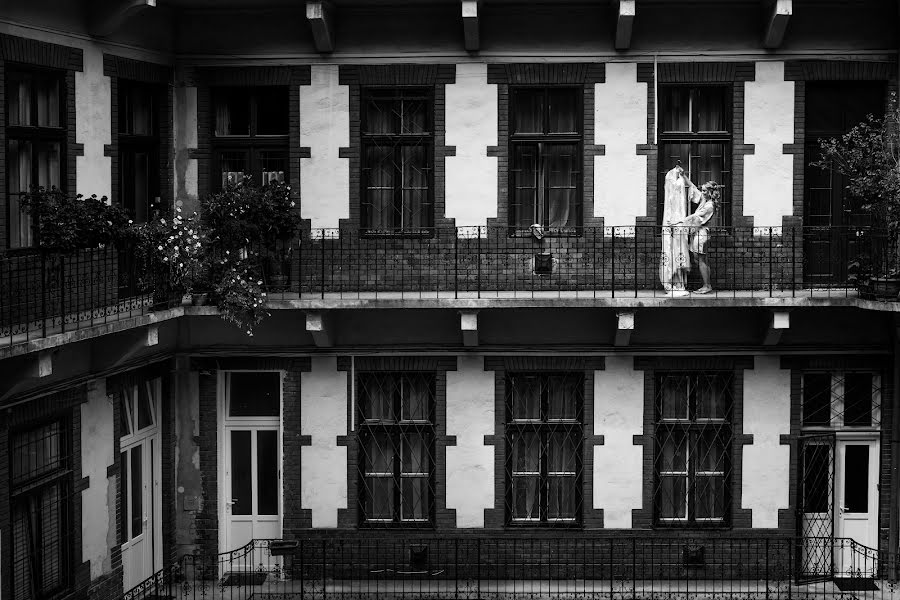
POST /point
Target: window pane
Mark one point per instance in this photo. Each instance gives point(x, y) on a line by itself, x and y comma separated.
point(526, 498)
point(19, 173)
point(710, 497)
point(52, 528)
point(526, 452)
point(562, 452)
point(416, 454)
point(232, 112)
point(47, 92)
point(525, 185)
point(48, 163)
point(377, 394)
point(267, 472)
point(710, 109)
point(856, 479)
point(378, 453)
point(858, 399)
point(272, 111)
point(711, 450)
point(241, 473)
point(415, 116)
point(137, 111)
point(145, 417)
point(673, 450)
point(817, 399)
point(675, 109)
point(18, 103)
point(713, 396)
point(562, 164)
point(273, 165)
point(378, 498)
point(673, 398)
point(816, 478)
point(254, 394)
point(672, 497)
point(380, 116)
point(414, 173)
point(137, 491)
point(135, 184)
point(37, 451)
point(562, 497)
point(379, 174)
point(526, 397)
point(564, 392)
point(127, 410)
point(233, 166)
point(126, 521)
point(563, 111)
point(417, 398)
point(414, 499)
point(528, 111)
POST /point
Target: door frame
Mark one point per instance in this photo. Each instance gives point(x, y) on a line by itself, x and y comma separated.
point(223, 421)
point(127, 442)
point(875, 464)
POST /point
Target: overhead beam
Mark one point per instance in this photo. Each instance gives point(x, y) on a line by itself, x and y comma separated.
point(321, 20)
point(471, 24)
point(110, 16)
point(624, 328)
point(468, 324)
point(318, 326)
point(777, 22)
point(624, 24)
point(781, 321)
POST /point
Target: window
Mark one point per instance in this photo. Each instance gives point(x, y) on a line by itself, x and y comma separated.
point(693, 414)
point(695, 130)
point(139, 183)
point(543, 447)
point(545, 155)
point(839, 399)
point(397, 157)
point(42, 536)
point(35, 142)
point(396, 448)
point(250, 135)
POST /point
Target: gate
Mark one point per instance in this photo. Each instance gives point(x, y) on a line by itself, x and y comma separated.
point(815, 507)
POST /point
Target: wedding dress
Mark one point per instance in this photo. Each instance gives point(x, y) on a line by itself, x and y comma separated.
point(674, 260)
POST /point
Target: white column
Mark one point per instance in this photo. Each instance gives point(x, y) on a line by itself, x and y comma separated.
point(323, 416)
point(618, 463)
point(766, 465)
point(470, 464)
point(93, 126)
point(98, 501)
point(324, 128)
point(768, 125)
point(620, 124)
point(471, 118)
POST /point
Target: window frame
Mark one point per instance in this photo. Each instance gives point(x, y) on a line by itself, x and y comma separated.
point(837, 408)
point(33, 134)
point(397, 142)
point(544, 427)
point(691, 428)
point(538, 139)
point(396, 430)
point(31, 488)
point(695, 138)
point(253, 144)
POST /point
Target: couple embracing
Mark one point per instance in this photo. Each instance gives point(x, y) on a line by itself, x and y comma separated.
point(685, 234)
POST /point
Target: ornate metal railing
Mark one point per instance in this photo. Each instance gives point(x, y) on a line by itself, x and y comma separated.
point(481, 566)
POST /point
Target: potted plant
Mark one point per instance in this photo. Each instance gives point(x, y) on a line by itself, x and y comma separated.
point(172, 250)
point(869, 157)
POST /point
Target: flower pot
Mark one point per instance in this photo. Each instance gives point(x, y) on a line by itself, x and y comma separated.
point(882, 288)
point(186, 300)
point(199, 299)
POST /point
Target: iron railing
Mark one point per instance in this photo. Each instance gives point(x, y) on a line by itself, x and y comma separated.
point(482, 567)
point(42, 293)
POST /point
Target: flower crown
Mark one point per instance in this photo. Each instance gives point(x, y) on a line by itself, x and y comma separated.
point(711, 190)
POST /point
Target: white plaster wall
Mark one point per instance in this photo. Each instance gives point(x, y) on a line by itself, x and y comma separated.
point(470, 464)
point(620, 123)
point(93, 127)
point(324, 128)
point(96, 455)
point(323, 416)
point(618, 417)
point(471, 120)
point(766, 465)
point(768, 125)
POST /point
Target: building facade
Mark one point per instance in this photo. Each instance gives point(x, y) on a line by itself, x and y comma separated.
point(472, 342)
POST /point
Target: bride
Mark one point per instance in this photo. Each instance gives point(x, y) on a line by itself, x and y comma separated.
point(674, 261)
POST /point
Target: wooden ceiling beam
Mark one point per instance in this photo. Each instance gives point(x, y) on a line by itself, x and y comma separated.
point(321, 20)
point(624, 24)
point(776, 23)
point(471, 24)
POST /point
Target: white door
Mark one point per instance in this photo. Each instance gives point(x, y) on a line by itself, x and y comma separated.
point(856, 505)
point(140, 472)
point(251, 460)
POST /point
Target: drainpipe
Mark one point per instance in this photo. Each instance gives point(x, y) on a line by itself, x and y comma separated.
point(894, 518)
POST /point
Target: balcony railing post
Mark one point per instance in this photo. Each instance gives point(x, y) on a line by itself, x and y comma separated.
point(635, 263)
point(767, 568)
point(479, 261)
point(456, 264)
point(612, 261)
point(633, 565)
point(323, 263)
point(793, 261)
point(324, 562)
point(771, 258)
point(62, 292)
point(43, 295)
point(478, 552)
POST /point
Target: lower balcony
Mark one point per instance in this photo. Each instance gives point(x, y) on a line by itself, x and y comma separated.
point(482, 567)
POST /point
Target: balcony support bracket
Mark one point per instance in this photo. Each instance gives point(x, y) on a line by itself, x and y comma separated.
point(468, 324)
point(781, 321)
point(776, 23)
point(317, 324)
point(624, 24)
point(471, 24)
point(321, 21)
point(112, 15)
point(624, 328)
point(42, 365)
point(152, 335)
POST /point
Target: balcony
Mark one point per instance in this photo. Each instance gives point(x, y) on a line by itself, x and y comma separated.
point(45, 294)
point(485, 566)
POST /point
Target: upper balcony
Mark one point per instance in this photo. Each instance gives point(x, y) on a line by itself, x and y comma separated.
point(469, 267)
